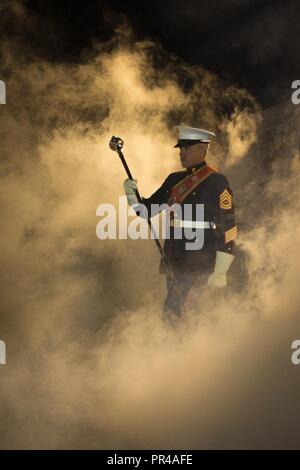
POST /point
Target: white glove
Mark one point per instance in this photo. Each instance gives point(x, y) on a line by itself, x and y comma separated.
point(129, 188)
point(223, 262)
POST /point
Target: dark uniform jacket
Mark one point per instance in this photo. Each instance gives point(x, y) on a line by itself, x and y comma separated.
point(215, 194)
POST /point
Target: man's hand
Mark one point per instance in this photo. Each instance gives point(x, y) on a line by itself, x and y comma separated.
point(223, 262)
point(217, 280)
point(130, 188)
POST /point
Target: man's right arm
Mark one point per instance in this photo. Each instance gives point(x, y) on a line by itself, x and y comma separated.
point(148, 206)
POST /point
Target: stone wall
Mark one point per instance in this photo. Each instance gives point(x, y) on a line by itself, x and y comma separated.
point(279, 135)
point(277, 144)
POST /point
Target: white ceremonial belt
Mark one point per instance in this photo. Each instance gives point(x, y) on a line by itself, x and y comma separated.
point(191, 224)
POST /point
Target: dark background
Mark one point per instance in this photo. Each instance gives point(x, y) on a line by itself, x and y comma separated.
point(253, 43)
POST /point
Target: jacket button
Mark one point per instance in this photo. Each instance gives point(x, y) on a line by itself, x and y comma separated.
point(194, 194)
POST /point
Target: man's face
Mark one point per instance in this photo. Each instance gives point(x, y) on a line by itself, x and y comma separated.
point(193, 154)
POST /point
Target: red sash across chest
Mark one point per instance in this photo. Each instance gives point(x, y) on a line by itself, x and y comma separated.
point(182, 189)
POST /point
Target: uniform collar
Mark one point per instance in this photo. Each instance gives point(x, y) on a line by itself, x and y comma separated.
point(194, 168)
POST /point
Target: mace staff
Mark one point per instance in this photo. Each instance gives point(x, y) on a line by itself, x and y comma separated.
point(116, 144)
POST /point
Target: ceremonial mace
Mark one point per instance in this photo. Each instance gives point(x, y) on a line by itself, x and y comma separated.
point(116, 144)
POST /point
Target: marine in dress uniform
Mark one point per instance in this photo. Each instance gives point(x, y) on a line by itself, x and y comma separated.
point(182, 193)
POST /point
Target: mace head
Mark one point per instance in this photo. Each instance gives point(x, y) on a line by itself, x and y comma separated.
point(116, 143)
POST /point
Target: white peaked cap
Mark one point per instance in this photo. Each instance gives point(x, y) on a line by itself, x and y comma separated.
point(192, 133)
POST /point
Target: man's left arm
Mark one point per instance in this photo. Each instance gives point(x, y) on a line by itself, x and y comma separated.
point(226, 232)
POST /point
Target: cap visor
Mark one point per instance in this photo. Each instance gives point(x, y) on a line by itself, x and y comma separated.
point(189, 143)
